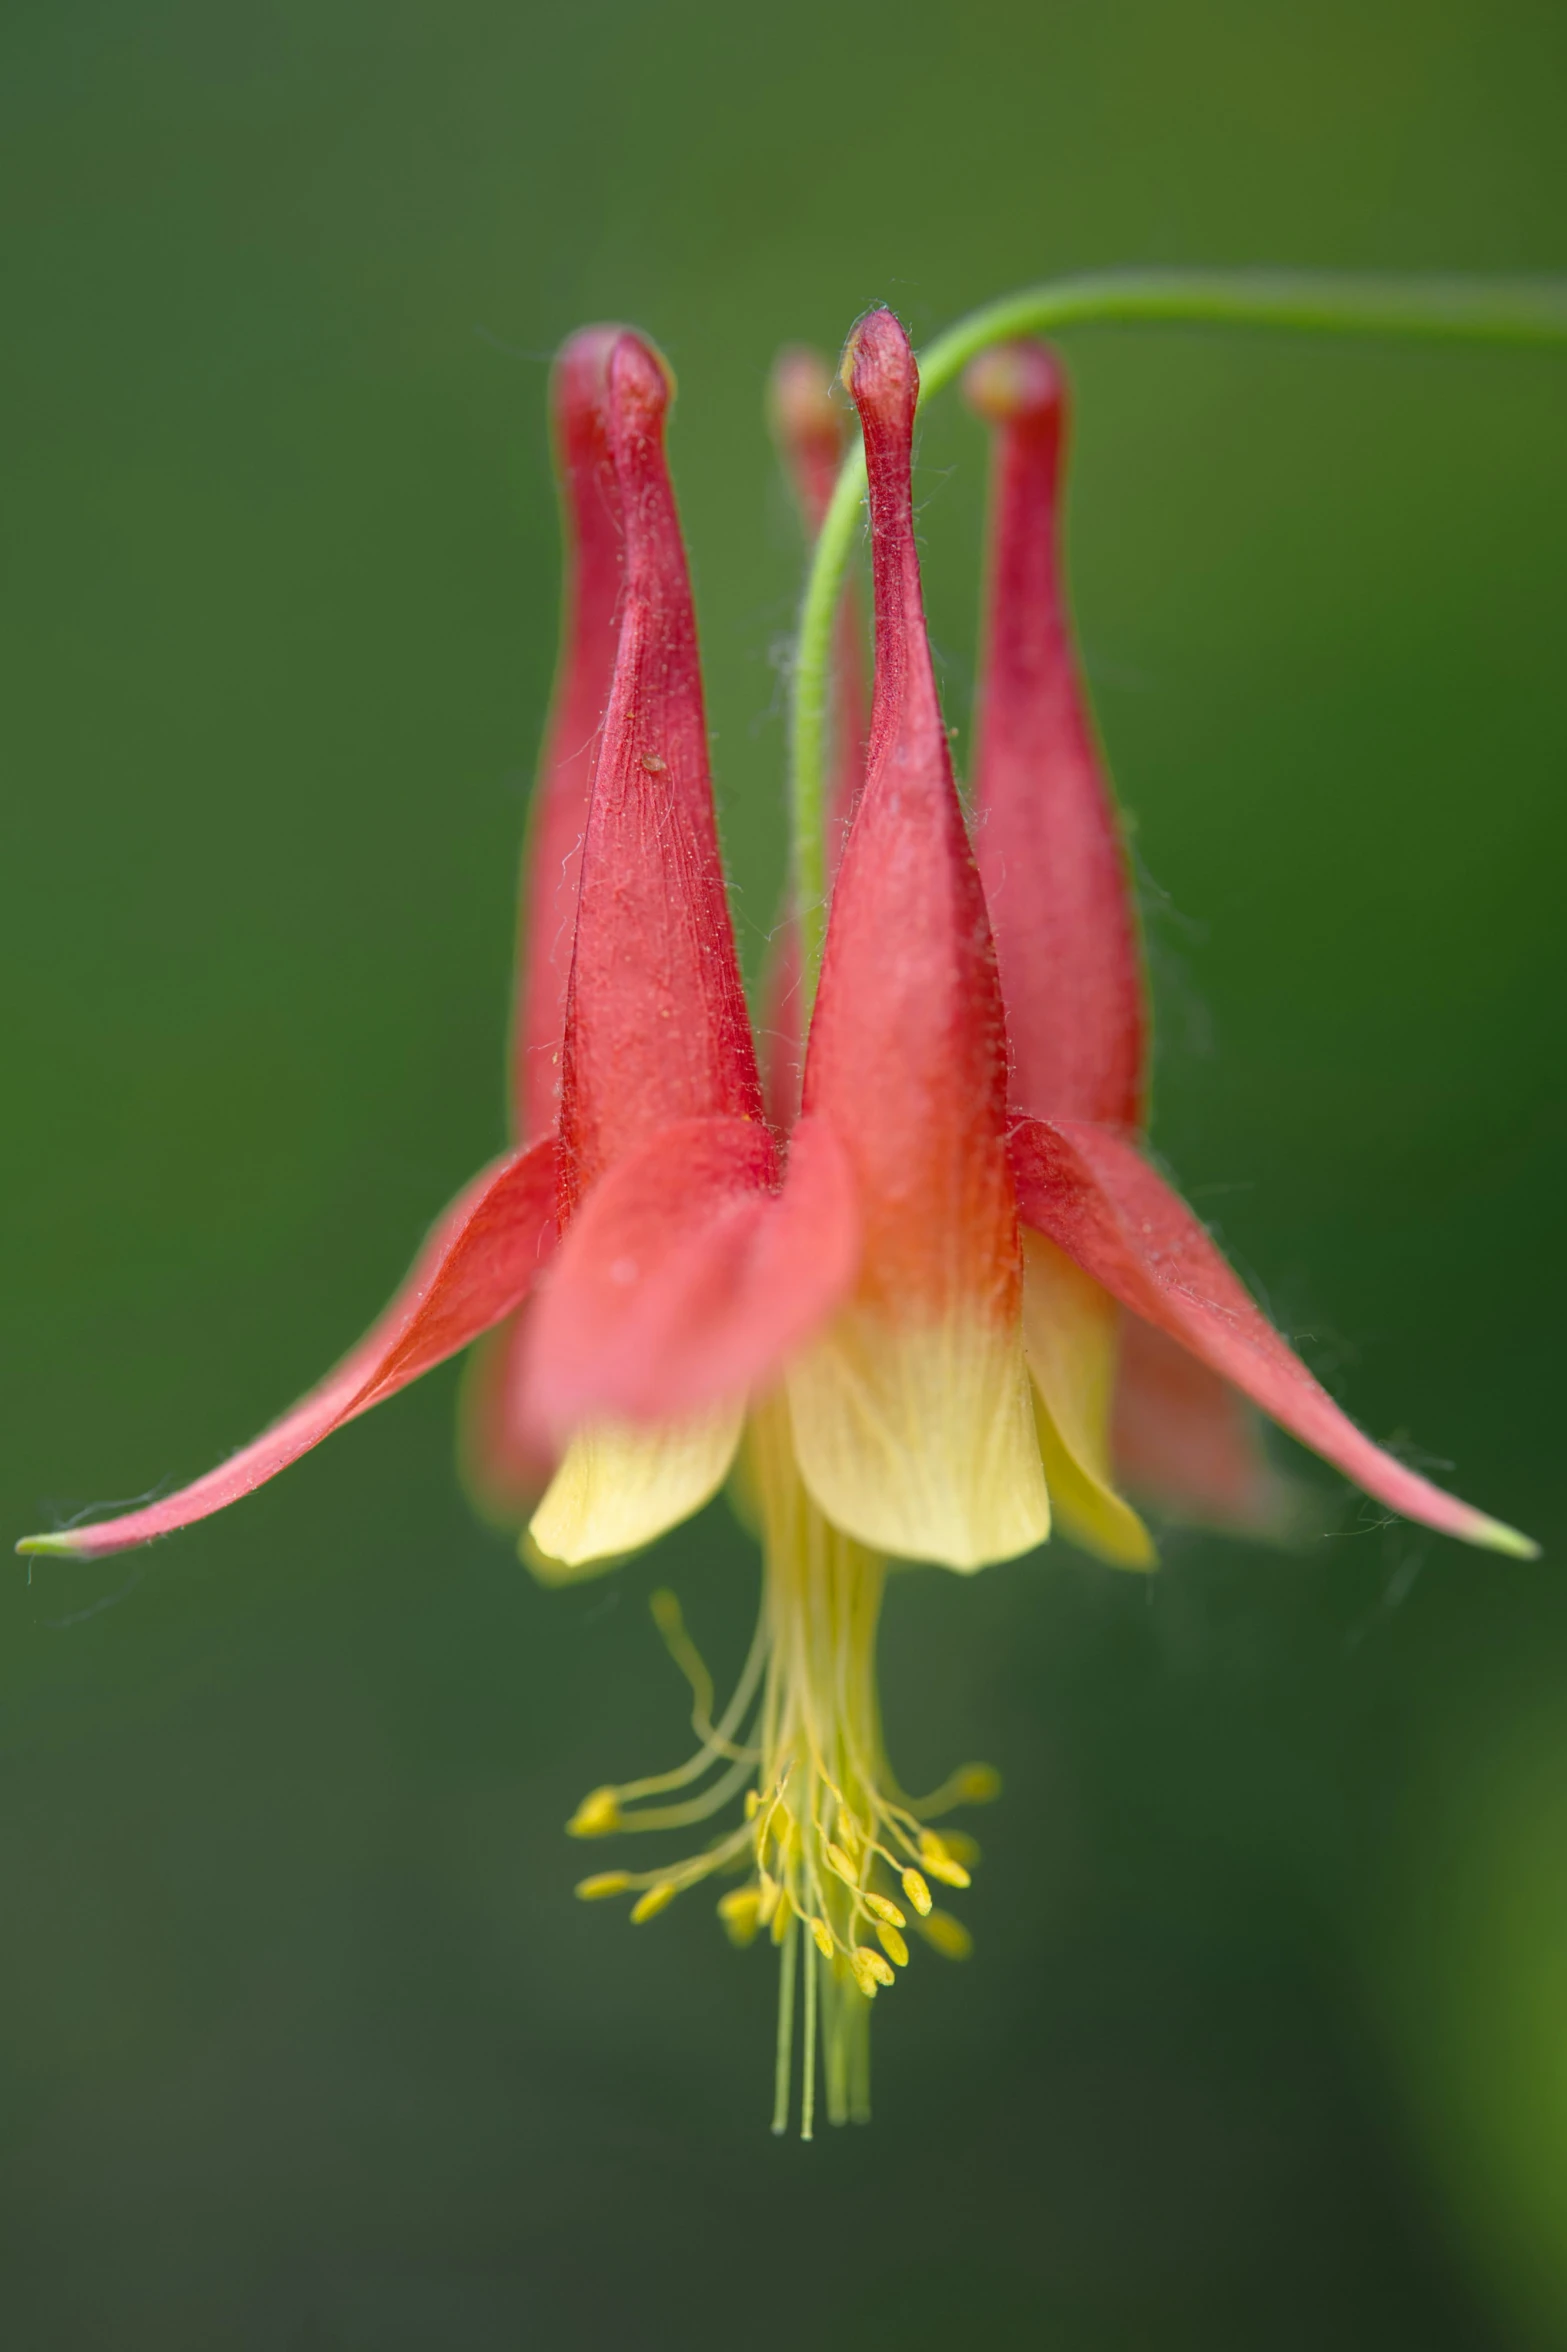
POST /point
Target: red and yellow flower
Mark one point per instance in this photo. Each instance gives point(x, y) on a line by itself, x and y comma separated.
point(952, 1297)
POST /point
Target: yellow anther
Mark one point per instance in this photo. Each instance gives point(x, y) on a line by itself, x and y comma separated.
point(658, 1898)
point(782, 1917)
point(892, 1943)
point(740, 1910)
point(863, 1962)
point(753, 1803)
point(879, 1908)
point(597, 1815)
point(939, 1862)
point(918, 1892)
point(768, 1892)
point(976, 1784)
point(608, 1882)
point(947, 1935)
point(848, 1833)
point(838, 1860)
point(823, 1934)
point(665, 1612)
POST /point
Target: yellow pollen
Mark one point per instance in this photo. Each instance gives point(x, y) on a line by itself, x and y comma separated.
point(658, 1898)
point(608, 1882)
point(838, 1860)
point(939, 1862)
point(918, 1892)
point(598, 1815)
point(753, 1803)
point(823, 1934)
point(864, 1963)
point(892, 1943)
point(879, 1907)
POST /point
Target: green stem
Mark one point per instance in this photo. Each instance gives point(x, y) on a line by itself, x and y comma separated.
point(1444, 310)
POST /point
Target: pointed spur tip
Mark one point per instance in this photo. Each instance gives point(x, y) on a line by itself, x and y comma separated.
point(586, 352)
point(1013, 380)
point(1493, 1535)
point(879, 369)
point(64, 1546)
point(640, 377)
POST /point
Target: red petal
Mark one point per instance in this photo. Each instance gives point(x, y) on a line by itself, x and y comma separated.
point(592, 536)
point(685, 1280)
point(479, 1262)
point(809, 428)
point(1187, 1442)
point(656, 1023)
point(1098, 1199)
point(907, 1054)
point(1046, 834)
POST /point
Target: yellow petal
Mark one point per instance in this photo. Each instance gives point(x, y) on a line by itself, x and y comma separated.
point(617, 1488)
point(918, 1439)
point(1069, 1335)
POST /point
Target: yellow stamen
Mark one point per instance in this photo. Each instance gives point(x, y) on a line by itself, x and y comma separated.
point(831, 1841)
point(608, 1882)
point(864, 1963)
point(939, 1862)
point(598, 1815)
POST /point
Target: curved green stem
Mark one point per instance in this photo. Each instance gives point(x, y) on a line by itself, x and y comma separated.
point(1449, 310)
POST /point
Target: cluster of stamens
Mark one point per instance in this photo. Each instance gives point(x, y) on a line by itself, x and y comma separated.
point(838, 1863)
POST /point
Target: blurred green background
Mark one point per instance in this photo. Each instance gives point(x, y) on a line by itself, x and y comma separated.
point(306, 2043)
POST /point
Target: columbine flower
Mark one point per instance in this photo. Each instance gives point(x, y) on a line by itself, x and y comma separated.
point(902, 1332)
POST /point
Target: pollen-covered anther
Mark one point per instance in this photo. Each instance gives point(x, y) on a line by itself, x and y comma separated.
point(606, 1882)
point(870, 1969)
point(892, 1943)
point(940, 1863)
point(658, 1898)
point(598, 1815)
point(822, 1935)
point(880, 1907)
point(976, 1784)
point(918, 1892)
point(838, 1860)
